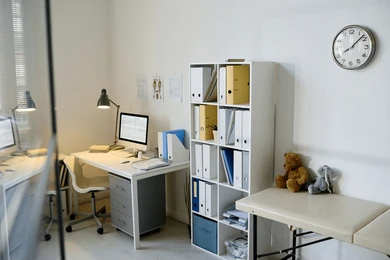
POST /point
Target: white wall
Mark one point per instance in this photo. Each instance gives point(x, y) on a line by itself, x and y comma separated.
point(81, 65)
point(340, 117)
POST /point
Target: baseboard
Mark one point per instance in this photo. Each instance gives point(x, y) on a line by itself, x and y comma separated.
point(179, 216)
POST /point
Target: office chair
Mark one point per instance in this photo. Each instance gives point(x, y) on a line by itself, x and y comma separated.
point(51, 192)
point(81, 184)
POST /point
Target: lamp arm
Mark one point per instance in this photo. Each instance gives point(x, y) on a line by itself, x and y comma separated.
point(116, 122)
point(16, 126)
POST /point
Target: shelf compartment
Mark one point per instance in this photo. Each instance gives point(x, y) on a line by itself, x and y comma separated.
point(224, 233)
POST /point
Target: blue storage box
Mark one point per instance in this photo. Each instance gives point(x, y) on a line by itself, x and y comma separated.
point(205, 233)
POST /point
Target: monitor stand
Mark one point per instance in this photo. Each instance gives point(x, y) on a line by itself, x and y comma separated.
point(117, 147)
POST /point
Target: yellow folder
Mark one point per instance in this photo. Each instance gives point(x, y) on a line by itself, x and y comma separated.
point(207, 119)
point(237, 84)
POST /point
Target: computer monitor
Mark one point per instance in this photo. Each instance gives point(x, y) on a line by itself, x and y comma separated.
point(133, 131)
point(7, 136)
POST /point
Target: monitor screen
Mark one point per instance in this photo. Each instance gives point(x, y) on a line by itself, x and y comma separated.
point(133, 128)
point(7, 138)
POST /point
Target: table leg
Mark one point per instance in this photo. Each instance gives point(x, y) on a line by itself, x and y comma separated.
point(134, 197)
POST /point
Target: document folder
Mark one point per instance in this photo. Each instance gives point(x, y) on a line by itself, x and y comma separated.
point(176, 150)
point(237, 84)
point(195, 195)
point(207, 118)
point(180, 133)
point(200, 80)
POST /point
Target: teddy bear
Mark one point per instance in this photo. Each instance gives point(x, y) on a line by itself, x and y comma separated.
point(323, 182)
point(296, 175)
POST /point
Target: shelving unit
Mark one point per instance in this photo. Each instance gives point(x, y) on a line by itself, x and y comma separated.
point(260, 150)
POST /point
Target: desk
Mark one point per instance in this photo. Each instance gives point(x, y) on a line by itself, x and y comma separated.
point(332, 215)
point(15, 196)
point(111, 163)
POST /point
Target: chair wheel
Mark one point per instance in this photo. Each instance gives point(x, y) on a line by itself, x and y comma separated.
point(68, 229)
point(72, 216)
point(47, 237)
point(104, 210)
point(100, 230)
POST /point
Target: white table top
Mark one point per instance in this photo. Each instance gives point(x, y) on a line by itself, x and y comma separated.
point(332, 215)
point(23, 171)
point(376, 235)
point(112, 163)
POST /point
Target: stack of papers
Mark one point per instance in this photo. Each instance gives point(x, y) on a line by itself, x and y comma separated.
point(236, 218)
point(149, 164)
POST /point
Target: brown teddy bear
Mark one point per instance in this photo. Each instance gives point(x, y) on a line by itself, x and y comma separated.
point(296, 175)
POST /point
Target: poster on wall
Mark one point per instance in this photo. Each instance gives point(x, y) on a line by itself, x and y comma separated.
point(174, 87)
point(142, 87)
point(158, 87)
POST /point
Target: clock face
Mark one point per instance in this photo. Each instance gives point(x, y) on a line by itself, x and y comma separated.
point(353, 47)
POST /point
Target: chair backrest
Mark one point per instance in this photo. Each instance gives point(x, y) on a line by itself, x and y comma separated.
point(76, 173)
point(79, 182)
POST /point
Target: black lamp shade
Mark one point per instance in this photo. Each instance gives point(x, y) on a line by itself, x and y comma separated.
point(28, 104)
point(104, 101)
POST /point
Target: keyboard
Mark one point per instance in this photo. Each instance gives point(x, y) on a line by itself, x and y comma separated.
point(123, 153)
point(149, 164)
point(11, 160)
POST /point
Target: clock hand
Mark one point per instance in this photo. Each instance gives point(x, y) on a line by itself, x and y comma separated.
point(353, 45)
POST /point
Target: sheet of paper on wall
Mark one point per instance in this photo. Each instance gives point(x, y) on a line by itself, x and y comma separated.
point(142, 86)
point(158, 87)
point(174, 87)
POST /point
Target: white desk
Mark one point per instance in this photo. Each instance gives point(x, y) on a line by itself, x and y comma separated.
point(14, 209)
point(111, 163)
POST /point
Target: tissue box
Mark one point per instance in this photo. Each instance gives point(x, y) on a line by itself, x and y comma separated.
point(237, 246)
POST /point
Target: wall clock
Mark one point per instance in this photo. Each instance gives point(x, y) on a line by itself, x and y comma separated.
point(353, 47)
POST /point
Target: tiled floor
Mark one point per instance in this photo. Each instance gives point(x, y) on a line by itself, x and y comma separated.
point(170, 242)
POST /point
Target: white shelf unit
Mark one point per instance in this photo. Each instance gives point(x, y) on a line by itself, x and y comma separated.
point(261, 149)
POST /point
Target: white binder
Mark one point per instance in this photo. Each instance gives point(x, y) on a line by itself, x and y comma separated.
point(245, 170)
point(202, 197)
point(211, 200)
point(200, 80)
point(160, 144)
point(222, 85)
point(209, 161)
point(237, 169)
point(198, 160)
point(223, 124)
point(176, 150)
point(196, 122)
point(238, 129)
point(246, 134)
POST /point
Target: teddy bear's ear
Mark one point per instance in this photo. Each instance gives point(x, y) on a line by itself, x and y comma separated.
point(285, 154)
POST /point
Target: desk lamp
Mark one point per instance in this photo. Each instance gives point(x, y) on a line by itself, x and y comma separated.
point(104, 103)
point(25, 106)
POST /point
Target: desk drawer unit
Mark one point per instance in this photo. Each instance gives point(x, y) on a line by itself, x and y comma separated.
point(18, 205)
point(120, 186)
point(122, 221)
point(151, 203)
point(121, 204)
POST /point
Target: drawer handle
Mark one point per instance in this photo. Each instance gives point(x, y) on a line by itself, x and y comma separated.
point(118, 187)
point(120, 205)
point(123, 223)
